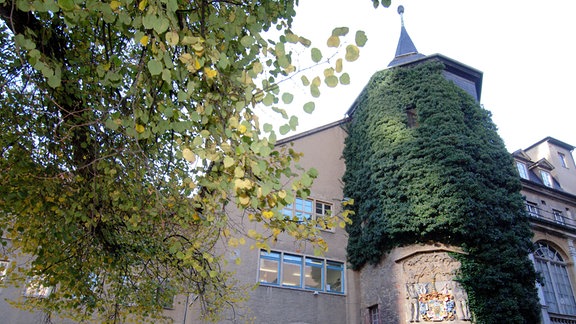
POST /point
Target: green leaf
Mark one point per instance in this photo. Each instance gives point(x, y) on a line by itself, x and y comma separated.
point(352, 53)
point(386, 3)
point(315, 91)
point(304, 41)
point(305, 81)
point(361, 38)
point(287, 98)
point(284, 129)
point(331, 81)
point(66, 5)
point(247, 41)
point(316, 55)
point(161, 25)
point(345, 79)
point(155, 67)
point(172, 38)
point(309, 107)
point(340, 31)
point(268, 128)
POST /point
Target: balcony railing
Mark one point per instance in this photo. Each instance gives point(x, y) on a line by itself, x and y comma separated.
point(553, 216)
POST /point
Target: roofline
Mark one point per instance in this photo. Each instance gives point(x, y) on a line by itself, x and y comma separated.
point(452, 65)
point(552, 140)
point(311, 132)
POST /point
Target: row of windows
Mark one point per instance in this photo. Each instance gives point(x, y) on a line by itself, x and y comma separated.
point(296, 271)
point(303, 210)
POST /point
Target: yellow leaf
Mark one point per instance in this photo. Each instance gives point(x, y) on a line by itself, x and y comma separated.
point(140, 128)
point(242, 129)
point(339, 65)
point(333, 41)
point(188, 155)
point(228, 162)
point(267, 214)
point(252, 233)
point(115, 4)
point(144, 40)
point(210, 74)
point(142, 5)
point(244, 200)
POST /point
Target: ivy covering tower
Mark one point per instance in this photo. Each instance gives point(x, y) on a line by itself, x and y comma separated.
point(424, 163)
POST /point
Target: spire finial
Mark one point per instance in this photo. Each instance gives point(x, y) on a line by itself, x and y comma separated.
point(401, 13)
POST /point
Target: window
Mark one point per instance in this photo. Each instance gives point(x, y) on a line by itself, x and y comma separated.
point(35, 288)
point(374, 314)
point(562, 158)
point(557, 289)
point(411, 117)
point(307, 209)
point(546, 178)
point(532, 209)
point(291, 270)
point(300, 210)
point(322, 210)
point(269, 267)
point(558, 217)
point(313, 274)
point(299, 271)
point(3, 269)
point(522, 171)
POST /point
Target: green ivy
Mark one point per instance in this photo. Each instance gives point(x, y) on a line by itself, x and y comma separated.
point(447, 179)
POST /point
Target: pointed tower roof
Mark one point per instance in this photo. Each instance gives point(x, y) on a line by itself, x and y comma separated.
point(405, 51)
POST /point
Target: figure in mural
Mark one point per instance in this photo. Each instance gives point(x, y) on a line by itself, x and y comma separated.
point(461, 297)
point(412, 304)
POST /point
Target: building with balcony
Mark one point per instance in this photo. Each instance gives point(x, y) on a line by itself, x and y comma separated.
point(548, 176)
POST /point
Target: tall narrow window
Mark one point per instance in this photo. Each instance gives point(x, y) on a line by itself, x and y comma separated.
point(374, 314)
point(557, 288)
point(322, 209)
point(292, 270)
point(522, 171)
point(334, 277)
point(562, 158)
point(313, 273)
point(269, 267)
point(3, 269)
point(411, 117)
point(546, 178)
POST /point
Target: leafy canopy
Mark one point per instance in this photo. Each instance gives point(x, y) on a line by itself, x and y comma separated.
point(129, 135)
point(424, 163)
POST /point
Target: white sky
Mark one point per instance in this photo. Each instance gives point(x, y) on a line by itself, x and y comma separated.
point(524, 48)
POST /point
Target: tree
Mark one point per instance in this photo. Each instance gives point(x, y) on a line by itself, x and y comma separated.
point(424, 163)
point(129, 133)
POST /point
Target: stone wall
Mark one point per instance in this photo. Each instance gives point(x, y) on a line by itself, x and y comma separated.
point(415, 283)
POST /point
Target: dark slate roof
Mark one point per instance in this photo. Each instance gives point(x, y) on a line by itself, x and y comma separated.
point(406, 50)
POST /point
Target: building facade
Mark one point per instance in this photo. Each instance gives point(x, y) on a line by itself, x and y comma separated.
point(290, 284)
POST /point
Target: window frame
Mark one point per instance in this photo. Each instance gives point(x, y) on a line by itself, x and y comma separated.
point(563, 161)
point(532, 209)
point(547, 178)
point(299, 214)
point(522, 169)
point(374, 314)
point(552, 267)
point(558, 216)
point(305, 265)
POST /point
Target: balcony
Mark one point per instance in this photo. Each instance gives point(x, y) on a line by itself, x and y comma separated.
point(551, 216)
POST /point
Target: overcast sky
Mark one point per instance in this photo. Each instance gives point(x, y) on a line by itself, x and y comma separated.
point(526, 50)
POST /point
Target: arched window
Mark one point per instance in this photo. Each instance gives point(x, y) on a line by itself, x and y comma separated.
point(557, 289)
